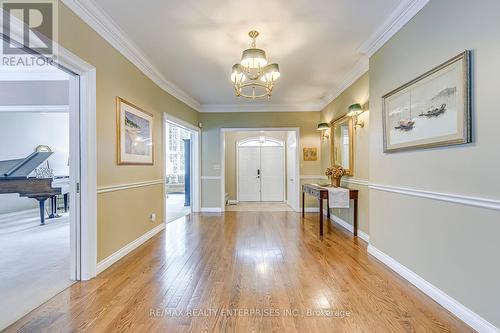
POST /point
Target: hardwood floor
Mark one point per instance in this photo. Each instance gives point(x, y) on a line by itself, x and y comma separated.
point(244, 272)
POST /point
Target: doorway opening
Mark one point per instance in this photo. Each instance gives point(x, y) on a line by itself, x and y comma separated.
point(39, 170)
point(181, 169)
point(260, 169)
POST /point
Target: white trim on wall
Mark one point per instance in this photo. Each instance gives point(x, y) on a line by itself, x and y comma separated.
point(403, 13)
point(88, 160)
point(106, 28)
point(210, 210)
point(349, 227)
point(462, 312)
point(195, 159)
point(355, 181)
point(34, 108)
point(120, 187)
point(107, 262)
point(261, 107)
point(447, 197)
point(211, 177)
point(358, 70)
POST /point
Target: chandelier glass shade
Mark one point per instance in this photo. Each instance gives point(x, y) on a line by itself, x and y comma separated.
point(253, 77)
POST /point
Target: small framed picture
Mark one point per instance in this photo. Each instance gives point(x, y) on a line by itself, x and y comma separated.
point(134, 134)
point(310, 154)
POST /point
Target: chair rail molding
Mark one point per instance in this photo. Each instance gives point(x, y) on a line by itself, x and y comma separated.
point(112, 188)
point(447, 197)
point(355, 181)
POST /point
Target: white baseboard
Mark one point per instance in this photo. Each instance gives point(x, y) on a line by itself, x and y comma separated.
point(311, 209)
point(459, 310)
point(232, 202)
point(210, 210)
point(349, 227)
point(105, 263)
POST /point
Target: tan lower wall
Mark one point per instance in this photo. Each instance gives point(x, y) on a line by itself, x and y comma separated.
point(124, 215)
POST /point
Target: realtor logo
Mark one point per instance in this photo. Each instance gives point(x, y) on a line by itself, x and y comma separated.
point(28, 26)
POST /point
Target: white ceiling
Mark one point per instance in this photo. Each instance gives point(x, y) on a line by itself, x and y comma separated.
point(191, 45)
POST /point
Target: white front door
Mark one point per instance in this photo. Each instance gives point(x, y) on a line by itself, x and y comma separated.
point(272, 174)
point(248, 173)
point(260, 174)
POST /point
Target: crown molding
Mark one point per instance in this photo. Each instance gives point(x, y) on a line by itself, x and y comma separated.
point(106, 28)
point(261, 107)
point(360, 68)
point(403, 13)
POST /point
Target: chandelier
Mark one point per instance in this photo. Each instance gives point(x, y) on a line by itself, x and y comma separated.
point(253, 77)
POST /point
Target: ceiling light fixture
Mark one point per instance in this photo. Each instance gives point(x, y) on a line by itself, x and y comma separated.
point(253, 77)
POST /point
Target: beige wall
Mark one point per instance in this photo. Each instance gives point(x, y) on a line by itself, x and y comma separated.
point(358, 92)
point(231, 140)
point(453, 246)
point(211, 142)
point(116, 76)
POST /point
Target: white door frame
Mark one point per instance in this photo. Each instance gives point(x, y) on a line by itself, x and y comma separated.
point(195, 161)
point(84, 239)
point(86, 231)
point(237, 152)
point(223, 131)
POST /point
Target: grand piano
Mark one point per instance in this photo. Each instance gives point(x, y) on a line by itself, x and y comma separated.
point(14, 178)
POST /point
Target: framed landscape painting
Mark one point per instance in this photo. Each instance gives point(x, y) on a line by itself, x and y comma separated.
point(134, 133)
point(430, 111)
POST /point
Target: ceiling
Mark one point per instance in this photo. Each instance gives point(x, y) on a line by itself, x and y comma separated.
point(190, 45)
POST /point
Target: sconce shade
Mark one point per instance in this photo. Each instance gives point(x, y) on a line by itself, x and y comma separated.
point(323, 126)
point(355, 109)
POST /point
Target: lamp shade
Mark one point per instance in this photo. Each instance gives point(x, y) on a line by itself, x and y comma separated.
point(237, 74)
point(271, 73)
point(254, 58)
point(323, 126)
point(355, 109)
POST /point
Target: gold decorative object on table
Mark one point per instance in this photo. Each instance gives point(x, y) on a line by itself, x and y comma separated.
point(335, 174)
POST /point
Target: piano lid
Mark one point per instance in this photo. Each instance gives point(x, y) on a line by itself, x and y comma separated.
point(21, 168)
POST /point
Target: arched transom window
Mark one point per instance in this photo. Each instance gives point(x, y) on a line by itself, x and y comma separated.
point(261, 141)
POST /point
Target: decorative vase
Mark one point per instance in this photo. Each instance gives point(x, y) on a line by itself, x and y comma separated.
point(335, 181)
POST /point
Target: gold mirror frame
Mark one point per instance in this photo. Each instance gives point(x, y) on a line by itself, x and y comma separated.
point(350, 171)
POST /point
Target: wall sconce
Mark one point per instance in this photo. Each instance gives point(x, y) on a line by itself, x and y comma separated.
point(323, 127)
point(354, 111)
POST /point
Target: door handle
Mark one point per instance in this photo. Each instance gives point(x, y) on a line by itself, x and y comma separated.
point(258, 173)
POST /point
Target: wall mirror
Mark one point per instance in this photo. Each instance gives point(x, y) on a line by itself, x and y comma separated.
point(342, 143)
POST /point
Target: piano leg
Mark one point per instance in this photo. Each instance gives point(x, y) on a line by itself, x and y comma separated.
point(41, 203)
point(53, 208)
point(65, 202)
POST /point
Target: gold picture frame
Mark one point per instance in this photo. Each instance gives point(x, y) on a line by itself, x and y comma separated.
point(337, 133)
point(433, 110)
point(134, 134)
point(310, 154)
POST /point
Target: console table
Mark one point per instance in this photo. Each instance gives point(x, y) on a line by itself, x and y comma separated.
point(322, 193)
